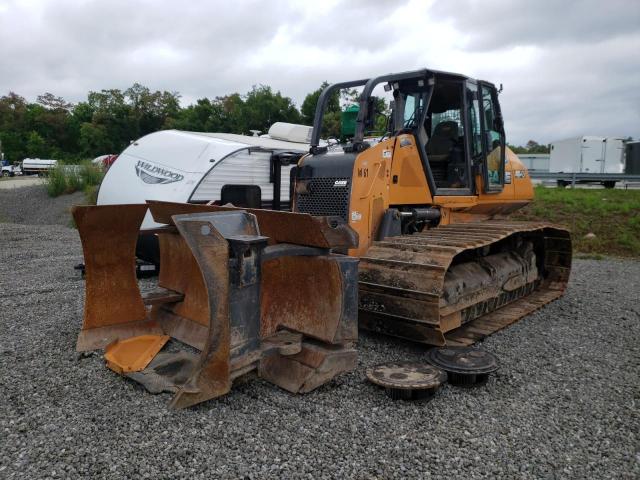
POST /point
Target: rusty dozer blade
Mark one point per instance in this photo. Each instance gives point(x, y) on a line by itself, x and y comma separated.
point(245, 301)
point(456, 284)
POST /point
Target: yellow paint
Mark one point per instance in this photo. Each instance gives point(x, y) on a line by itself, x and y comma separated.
point(374, 189)
point(133, 354)
point(369, 193)
point(411, 187)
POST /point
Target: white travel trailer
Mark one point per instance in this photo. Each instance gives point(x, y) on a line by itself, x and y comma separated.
point(588, 154)
point(195, 167)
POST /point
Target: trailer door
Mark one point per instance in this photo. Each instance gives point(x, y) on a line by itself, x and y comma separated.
point(614, 156)
point(592, 155)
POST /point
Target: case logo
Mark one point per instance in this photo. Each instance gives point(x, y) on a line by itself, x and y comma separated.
point(340, 183)
point(154, 174)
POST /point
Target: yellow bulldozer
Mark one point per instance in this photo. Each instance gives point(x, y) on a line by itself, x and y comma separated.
point(421, 209)
point(438, 265)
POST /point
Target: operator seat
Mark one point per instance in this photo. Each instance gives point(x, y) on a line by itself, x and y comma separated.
point(443, 141)
point(441, 150)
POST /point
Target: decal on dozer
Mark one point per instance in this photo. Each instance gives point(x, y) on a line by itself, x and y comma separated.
point(249, 292)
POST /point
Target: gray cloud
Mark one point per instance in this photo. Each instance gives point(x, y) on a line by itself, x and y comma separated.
point(494, 24)
point(568, 67)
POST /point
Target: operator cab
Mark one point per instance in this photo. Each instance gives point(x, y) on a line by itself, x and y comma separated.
point(445, 147)
point(455, 120)
point(450, 133)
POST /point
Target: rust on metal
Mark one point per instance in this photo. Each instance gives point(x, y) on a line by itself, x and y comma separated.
point(407, 380)
point(280, 227)
point(286, 280)
point(465, 366)
point(211, 375)
point(216, 294)
point(113, 305)
point(456, 284)
point(315, 365)
point(162, 296)
point(181, 273)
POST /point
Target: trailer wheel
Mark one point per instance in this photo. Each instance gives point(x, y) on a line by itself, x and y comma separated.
point(609, 184)
point(562, 183)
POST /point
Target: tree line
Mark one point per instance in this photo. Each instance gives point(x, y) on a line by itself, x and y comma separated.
point(108, 120)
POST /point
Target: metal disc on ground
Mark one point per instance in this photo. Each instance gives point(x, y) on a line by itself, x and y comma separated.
point(465, 366)
point(407, 380)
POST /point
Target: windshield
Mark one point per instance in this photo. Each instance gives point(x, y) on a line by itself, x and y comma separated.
point(413, 108)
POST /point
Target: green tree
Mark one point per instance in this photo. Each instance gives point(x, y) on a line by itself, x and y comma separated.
point(331, 119)
point(36, 146)
point(13, 123)
point(232, 114)
point(531, 147)
point(262, 108)
point(151, 111)
point(308, 109)
point(204, 116)
point(94, 140)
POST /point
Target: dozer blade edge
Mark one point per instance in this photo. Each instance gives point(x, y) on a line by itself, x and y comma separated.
point(244, 300)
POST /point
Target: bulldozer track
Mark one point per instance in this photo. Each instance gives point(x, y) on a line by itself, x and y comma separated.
point(402, 281)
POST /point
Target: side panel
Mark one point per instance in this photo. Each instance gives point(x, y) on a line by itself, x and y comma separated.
point(245, 167)
point(565, 156)
point(132, 180)
point(593, 151)
point(408, 183)
point(370, 192)
point(165, 165)
point(614, 158)
point(517, 192)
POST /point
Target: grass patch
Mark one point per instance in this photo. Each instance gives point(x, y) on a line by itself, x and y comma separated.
point(612, 215)
point(56, 182)
point(73, 178)
point(91, 194)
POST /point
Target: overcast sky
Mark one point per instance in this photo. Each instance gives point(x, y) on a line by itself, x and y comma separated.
point(568, 68)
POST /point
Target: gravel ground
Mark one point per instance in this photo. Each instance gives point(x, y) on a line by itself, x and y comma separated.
point(563, 405)
point(32, 205)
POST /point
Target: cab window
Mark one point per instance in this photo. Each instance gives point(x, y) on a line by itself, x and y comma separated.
point(493, 140)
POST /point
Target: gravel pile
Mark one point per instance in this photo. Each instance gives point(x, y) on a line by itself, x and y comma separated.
point(31, 205)
point(563, 405)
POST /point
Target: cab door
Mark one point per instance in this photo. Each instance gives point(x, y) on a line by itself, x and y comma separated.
point(493, 139)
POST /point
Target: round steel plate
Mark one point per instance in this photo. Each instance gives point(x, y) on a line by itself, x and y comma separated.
point(406, 375)
point(465, 360)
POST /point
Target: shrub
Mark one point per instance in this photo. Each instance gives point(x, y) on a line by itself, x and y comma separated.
point(56, 182)
point(73, 178)
point(91, 194)
point(91, 174)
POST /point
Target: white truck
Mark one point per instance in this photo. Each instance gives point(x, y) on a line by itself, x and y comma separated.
point(588, 154)
point(32, 166)
point(10, 170)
